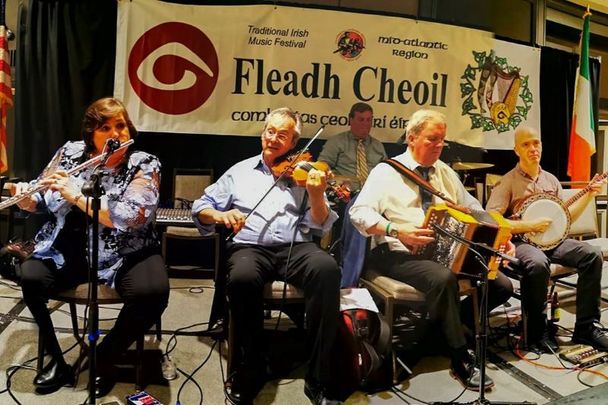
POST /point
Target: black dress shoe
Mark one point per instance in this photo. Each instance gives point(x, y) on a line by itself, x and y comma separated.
point(546, 344)
point(593, 335)
point(468, 374)
point(245, 383)
point(54, 376)
point(317, 394)
point(103, 385)
point(237, 393)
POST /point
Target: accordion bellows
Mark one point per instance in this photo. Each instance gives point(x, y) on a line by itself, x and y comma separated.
point(481, 227)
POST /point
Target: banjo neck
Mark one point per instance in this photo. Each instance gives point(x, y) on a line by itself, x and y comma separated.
point(584, 190)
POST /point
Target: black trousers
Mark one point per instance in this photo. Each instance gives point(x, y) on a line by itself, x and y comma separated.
point(142, 282)
point(311, 269)
point(535, 280)
point(440, 286)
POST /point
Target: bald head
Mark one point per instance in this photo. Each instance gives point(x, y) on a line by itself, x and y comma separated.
point(528, 146)
point(522, 133)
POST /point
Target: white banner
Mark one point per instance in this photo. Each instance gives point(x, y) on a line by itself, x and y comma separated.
point(220, 69)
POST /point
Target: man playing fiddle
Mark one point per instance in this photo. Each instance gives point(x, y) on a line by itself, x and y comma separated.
point(525, 179)
point(391, 208)
point(274, 242)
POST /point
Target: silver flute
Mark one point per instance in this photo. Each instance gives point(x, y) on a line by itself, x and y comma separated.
point(37, 188)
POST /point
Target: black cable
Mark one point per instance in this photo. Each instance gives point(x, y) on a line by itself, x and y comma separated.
point(12, 370)
point(197, 289)
point(189, 377)
point(578, 377)
point(398, 392)
point(173, 337)
point(224, 379)
point(82, 317)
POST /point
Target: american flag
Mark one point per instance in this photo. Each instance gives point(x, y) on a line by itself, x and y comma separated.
point(6, 94)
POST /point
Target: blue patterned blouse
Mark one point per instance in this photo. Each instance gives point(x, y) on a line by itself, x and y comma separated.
point(131, 204)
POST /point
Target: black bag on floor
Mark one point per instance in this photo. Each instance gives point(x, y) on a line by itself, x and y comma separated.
point(362, 358)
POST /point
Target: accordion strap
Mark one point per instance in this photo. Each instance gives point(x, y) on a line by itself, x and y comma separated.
point(416, 178)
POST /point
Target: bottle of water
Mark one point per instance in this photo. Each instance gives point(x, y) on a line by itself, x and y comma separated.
point(555, 311)
point(168, 368)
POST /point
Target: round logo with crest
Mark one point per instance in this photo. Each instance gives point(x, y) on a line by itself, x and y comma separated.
point(350, 44)
point(496, 95)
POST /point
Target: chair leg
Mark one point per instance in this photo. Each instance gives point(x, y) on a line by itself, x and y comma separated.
point(230, 352)
point(389, 315)
point(139, 347)
point(389, 310)
point(159, 334)
point(74, 316)
point(40, 361)
point(524, 324)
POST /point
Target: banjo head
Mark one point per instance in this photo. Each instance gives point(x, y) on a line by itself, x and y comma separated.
point(546, 205)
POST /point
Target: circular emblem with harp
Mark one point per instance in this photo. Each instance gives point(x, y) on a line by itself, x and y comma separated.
point(496, 96)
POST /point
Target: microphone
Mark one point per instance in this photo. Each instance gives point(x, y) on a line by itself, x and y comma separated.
point(112, 145)
point(481, 248)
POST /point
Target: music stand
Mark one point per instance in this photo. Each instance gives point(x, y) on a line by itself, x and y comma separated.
point(482, 253)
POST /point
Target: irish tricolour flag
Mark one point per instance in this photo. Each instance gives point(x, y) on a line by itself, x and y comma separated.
point(582, 133)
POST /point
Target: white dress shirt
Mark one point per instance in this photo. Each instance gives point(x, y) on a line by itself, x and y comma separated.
point(388, 194)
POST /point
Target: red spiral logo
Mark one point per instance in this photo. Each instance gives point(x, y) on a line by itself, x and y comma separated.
point(170, 69)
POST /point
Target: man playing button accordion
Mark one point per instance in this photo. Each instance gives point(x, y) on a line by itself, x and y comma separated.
point(525, 180)
point(390, 208)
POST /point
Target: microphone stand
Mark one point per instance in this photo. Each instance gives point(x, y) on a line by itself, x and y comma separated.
point(482, 253)
point(94, 190)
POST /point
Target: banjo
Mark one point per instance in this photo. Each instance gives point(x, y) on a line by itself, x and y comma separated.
point(548, 205)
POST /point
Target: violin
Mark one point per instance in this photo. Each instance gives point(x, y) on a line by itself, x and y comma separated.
point(296, 167)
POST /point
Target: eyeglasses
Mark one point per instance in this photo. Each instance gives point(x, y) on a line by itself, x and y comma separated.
point(282, 136)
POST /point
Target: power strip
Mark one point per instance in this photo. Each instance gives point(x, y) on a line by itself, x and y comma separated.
point(584, 356)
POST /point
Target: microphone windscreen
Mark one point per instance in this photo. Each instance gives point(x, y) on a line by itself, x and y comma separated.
point(112, 144)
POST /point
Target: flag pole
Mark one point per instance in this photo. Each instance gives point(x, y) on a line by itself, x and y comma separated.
point(582, 130)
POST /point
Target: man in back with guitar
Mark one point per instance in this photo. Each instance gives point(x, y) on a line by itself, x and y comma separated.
point(523, 181)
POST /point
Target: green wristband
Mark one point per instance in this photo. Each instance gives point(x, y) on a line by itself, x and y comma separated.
point(388, 229)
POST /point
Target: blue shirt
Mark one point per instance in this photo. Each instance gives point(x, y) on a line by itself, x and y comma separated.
point(274, 220)
point(131, 207)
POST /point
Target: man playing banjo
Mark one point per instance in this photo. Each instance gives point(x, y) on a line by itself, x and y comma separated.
point(525, 180)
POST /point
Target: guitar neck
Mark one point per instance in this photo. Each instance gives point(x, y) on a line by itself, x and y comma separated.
point(584, 191)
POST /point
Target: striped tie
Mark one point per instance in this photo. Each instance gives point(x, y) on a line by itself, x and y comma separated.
point(425, 196)
point(362, 169)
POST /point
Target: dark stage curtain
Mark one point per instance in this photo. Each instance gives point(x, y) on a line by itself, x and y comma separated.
point(557, 80)
point(65, 60)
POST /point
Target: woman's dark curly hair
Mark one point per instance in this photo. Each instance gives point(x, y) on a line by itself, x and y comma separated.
point(97, 114)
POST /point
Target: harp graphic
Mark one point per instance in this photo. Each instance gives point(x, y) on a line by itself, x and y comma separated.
point(498, 91)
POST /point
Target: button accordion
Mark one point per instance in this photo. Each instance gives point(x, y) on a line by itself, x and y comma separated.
point(479, 226)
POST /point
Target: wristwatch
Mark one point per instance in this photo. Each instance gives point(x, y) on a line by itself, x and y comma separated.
point(392, 232)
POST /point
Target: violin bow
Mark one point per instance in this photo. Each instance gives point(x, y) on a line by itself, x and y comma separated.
point(291, 166)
